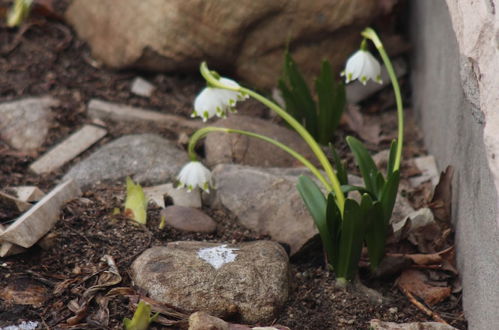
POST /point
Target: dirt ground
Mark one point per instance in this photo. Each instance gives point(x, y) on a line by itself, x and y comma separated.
point(46, 58)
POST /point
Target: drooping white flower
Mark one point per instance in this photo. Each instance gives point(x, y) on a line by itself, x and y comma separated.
point(362, 66)
point(217, 101)
point(194, 174)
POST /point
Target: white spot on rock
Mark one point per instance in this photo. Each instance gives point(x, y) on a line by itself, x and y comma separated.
point(218, 256)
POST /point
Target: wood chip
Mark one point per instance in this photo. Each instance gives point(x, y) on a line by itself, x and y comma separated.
point(28, 193)
point(38, 220)
point(68, 149)
point(120, 112)
point(10, 202)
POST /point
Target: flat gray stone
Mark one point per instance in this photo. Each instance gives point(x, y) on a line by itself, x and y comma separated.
point(223, 148)
point(264, 200)
point(24, 124)
point(188, 219)
point(180, 197)
point(144, 157)
point(250, 279)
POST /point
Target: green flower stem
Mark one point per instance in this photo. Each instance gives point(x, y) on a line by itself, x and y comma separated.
point(335, 184)
point(371, 35)
point(201, 133)
point(316, 149)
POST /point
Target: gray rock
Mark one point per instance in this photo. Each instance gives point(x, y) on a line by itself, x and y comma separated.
point(251, 35)
point(223, 148)
point(188, 219)
point(24, 124)
point(180, 197)
point(144, 157)
point(142, 87)
point(380, 325)
point(264, 200)
point(249, 280)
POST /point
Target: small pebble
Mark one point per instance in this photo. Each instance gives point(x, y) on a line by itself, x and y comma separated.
point(393, 310)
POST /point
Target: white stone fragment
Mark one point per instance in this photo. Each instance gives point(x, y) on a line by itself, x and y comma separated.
point(418, 218)
point(68, 149)
point(218, 256)
point(11, 202)
point(428, 167)
point(142, 87)
point(38, 220)
point(30, 325)
point(180, 197)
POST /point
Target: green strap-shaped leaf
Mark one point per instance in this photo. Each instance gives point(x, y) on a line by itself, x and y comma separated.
point(303, 101)
point(331, 104)
point(333, 219)
point(389, 195)
point(366, 164)
point(352, 237)
point(316, 204)
point(341, 172)
point(391, 158)
point(375, 234)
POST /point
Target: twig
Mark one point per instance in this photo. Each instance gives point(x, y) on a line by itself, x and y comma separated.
point(422, 307)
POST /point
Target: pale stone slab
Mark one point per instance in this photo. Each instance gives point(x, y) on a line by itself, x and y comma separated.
point(180, 197)
point(28, 193)
point(142, 87)
point(68, 149)
point(11, 202)
point(121, 112)
point(38, 220)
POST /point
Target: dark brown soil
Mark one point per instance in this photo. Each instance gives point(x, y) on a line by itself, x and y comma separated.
point(45, 57)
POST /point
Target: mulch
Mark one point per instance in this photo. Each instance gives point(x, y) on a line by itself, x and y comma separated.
point(46, 58)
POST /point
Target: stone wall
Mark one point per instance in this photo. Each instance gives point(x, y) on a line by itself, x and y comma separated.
point(455, 85)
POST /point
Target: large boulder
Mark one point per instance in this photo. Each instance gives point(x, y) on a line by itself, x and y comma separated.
point(248, 36)
point(248, 281)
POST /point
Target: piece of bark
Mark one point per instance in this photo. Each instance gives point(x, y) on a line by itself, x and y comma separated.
point(38, 220)
point(120, 112)
point(68, 149)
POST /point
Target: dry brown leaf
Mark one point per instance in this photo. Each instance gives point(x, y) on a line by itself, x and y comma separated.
point(24, 291)
point(427, 238)
point(422, 259)
point(416, 282)
point(369, 132)
point(441, 203)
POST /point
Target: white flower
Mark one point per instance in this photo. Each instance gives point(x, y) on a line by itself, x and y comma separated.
point(217, 101)
point(363, 66)
point(194, 174)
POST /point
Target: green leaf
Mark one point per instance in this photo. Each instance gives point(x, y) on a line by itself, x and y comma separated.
point(380, 183)
point(375, 234)
point(141, 318)
point(389, 195)
point(289, 101)
point(333, 219)
point(301, 97)
point(368, 169)
point(332, 99)
point(341, 172)
point(391, 158)
point(316, 204)
point(346, 188)
point(136, 202)
point(352, 237)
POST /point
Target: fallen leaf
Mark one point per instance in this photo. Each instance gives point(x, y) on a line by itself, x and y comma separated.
point(136, 202)
point(24, 291)
point(368, 132)
point(441, 203)
point(416, 282)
